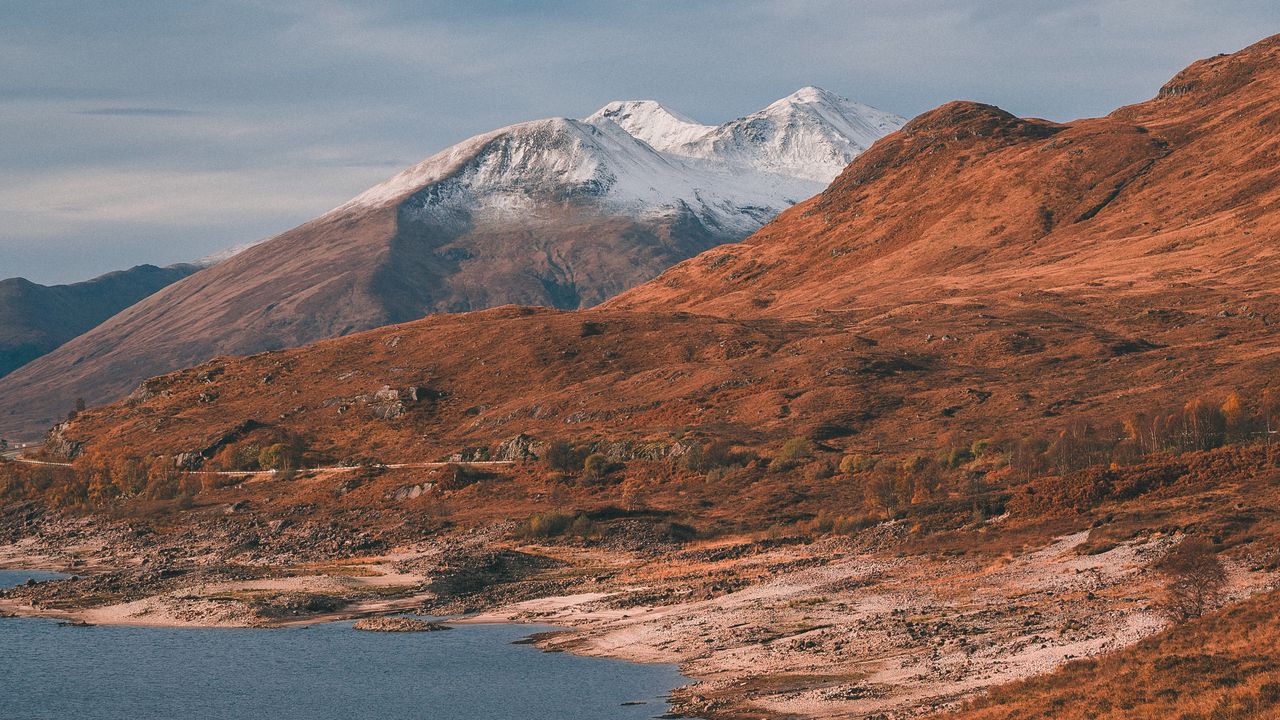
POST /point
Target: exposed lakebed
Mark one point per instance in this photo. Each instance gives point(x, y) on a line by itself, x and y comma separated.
point(54, 671)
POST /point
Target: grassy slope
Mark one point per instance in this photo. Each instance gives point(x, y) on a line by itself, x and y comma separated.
point(1222, 667)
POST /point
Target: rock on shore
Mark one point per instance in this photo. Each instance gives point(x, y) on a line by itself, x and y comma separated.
point(398, 624)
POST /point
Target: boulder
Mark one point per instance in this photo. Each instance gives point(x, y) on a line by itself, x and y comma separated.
point(386, 404)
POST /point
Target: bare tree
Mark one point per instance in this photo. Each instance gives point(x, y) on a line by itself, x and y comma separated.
point(1203, 424)
point(1270, 410)
point(1195, 579)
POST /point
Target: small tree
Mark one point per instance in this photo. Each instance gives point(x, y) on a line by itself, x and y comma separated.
point(880, 491)
point(563, 456)
point(1203, 425)
point(596, 466)
point(793, 451)
point(1235, 418)
point(1195, 579)
point(279, 457)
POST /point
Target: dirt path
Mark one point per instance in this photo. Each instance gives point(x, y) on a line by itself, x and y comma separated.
point(16, 457)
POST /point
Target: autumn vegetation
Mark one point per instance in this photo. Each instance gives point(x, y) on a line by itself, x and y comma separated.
point(1223, 666)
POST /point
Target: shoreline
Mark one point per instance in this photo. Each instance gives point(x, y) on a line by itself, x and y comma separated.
point(830, 629)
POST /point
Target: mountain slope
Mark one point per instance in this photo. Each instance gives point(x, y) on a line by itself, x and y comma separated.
point(35, 319)
point(556, 212)
point(974, 274)
point(968, 200)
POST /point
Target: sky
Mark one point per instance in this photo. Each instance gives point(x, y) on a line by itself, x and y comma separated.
point(152, 131)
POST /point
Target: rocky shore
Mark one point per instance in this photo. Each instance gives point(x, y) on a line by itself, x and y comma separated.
point(840, 627)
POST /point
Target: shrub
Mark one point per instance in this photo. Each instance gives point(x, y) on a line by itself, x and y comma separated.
point(279, 456)
point(456, 477)
point(957, 457)
point(676, 532)
point(826, 523)
point(596, 466)
point(852, 464)
point(795, 450)
point(819, 470)
point(544, 525)
point(713, 455)
point(582, 526)
point(563, 456)
point(554, 523)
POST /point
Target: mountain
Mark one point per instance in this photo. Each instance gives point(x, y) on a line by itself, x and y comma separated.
point(974, 275)
point(35, 319)
point(555, 212)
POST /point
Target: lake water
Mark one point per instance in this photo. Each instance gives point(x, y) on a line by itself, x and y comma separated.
point(326, 671)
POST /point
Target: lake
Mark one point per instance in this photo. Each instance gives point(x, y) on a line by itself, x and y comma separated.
point(473, 672)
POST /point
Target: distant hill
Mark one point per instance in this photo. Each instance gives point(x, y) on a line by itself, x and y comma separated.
point(36, 319)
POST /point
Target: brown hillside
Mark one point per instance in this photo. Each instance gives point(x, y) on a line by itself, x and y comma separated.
point(968, 201)
point(971, 275)
point(343, 273)
point(1223, 666)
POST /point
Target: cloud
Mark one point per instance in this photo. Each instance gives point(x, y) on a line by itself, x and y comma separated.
point(136, 112)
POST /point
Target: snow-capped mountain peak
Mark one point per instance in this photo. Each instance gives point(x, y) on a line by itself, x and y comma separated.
point(639, 158)
point(651, 122)
point(807, 95)
point(811, 133)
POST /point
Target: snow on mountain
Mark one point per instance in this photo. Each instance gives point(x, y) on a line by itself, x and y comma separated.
point(649, 121)
point(222, 255)
point(811, 133)
point(563, 160)
point(641, 159)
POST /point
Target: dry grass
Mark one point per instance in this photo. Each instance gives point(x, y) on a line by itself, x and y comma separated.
point(1223, 667)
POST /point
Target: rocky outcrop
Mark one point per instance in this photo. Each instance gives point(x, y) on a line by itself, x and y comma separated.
point(521, 448)
point(626, 450)
point(389, 403)
point(410, 492)
point(386, 404)
point(59, 446)
point(398, 624)
point(194, 459)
